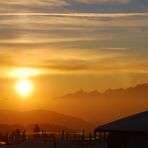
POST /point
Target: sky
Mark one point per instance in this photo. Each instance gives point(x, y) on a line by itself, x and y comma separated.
point(67, 45)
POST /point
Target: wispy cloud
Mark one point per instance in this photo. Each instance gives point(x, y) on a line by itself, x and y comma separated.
point(104, 1)
point(103, 61)
point(32, 5)
point(52, 3)
point(85, 6)
point(73, 42)
point(75, 14)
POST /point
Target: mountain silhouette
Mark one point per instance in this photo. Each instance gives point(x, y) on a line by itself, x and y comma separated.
point(100, 108)
point(42, 117)
point(137, 92)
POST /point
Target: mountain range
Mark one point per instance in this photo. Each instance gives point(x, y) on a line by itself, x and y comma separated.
point(42, 117)
point(139, 91)
point(81, 110)
point(102, 107)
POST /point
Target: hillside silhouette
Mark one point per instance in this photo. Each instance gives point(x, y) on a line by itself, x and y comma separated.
point(43, 117)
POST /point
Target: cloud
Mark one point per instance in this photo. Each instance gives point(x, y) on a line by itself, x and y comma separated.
point(75, 14)
point(61, 61)
point(107, 61)
point(103, 1)
point(85, 6)
point(18, 6)
point(73, 42)
point(52, 3)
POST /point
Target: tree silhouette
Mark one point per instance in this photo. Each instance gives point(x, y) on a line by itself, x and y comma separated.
point(37, 128)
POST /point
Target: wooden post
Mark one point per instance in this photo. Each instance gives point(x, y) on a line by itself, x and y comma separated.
point(54, 141)
point(24, 136)
point(13, 137)
point(103, 136)
point(45, 137)
point(7, 137)
point(95, 135)
point(82, 138)
point(90, 137)
point(63, 135)
point(83, 132)
point(17, 136)
point(99, 135)
point(67, 136)
point(42, 137)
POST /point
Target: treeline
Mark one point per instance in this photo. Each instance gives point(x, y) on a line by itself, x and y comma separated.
point(5, 128)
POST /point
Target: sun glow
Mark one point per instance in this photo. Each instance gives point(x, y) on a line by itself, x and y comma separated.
point(23, 73)
point(24, 87)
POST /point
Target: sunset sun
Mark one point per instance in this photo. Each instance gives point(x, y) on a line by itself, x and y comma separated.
point(24, 87)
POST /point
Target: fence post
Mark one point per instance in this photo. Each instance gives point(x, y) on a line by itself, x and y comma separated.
point(7, 137)
point(95, 135)
point(67, 136)
point(90, 137)
point(45, 138)
point(63, 135)
point(54, 141)
point(24, 136)
point(82, 138)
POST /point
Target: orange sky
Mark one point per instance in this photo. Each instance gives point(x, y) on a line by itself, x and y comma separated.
point(64, 47)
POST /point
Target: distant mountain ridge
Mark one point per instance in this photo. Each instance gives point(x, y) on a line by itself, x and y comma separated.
point(92, 106)
point(139, 91)
point(42, 117)
point(100, 108)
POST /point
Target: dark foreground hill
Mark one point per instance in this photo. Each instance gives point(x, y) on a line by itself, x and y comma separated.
point(48, 119)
